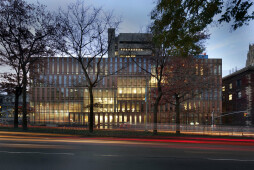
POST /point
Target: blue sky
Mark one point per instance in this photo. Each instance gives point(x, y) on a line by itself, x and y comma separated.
point(232, 47)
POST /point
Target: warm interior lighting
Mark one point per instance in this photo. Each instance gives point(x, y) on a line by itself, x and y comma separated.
point(230, 97)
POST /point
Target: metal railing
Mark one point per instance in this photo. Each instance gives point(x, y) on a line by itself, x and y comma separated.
point(218, 130)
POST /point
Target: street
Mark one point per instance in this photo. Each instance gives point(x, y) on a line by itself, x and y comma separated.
point(20, 150)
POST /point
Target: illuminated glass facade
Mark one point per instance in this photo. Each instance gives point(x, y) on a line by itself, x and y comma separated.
point(59, 95)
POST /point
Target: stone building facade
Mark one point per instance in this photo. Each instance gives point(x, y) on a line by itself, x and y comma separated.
point(250, 56)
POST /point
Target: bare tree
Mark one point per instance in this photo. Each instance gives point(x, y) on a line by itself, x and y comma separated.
point(178, 29)
point(25, 34)
point(12, 83)
point(84, 31)
point(184, 78)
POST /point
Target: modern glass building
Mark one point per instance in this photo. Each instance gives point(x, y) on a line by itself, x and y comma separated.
point(59, 94)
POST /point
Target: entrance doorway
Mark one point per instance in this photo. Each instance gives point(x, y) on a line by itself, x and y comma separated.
point(78, 119)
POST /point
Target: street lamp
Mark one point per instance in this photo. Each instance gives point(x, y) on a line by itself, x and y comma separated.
point(146, 100)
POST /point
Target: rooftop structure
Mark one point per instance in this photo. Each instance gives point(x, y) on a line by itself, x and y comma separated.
point(250, 56)
point(129, 44)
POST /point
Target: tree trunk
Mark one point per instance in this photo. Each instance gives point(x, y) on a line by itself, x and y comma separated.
point(91, 110)
point(177, 115)
point(155, 110)
point(24, 109)
point(16, 110)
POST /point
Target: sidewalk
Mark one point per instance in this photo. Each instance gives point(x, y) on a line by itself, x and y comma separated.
point(129, 131)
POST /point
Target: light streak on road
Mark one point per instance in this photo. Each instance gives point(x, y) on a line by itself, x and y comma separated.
point(33, 134)
point(44, 153)
point(58, 141)
point(237, 160)
point(132, 140)
point(41, 146)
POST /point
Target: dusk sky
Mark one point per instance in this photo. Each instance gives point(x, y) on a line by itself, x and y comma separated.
point(232, 47)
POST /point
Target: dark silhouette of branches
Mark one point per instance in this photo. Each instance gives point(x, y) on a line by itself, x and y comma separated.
point(25, 35)
point(84, 36)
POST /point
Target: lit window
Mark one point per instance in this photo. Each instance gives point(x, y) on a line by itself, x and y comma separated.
point(133, 109)
point(201, 71)
point(196, 69)
point(230, 97)
point(223, 88)
point(230, 86)
point(185, 106)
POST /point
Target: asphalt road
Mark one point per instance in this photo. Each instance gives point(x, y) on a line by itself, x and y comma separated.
point(45, 151)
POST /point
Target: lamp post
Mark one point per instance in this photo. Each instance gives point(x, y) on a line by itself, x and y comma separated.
point(212, 118)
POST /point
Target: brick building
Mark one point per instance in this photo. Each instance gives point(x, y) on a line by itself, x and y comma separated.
point(237, 97)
